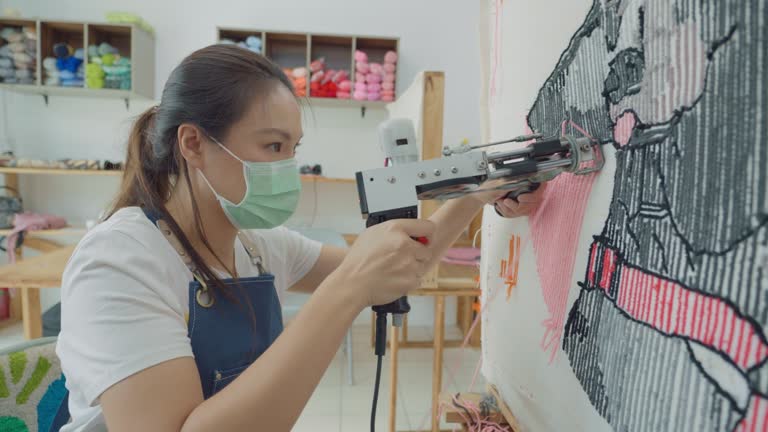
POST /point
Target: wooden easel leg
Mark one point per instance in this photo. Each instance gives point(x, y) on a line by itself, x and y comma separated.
point(437, 365)
point(31, 313)
point(394, 346)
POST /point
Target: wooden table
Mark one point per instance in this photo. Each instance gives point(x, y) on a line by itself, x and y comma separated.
point(452, 281)
point(29, 276)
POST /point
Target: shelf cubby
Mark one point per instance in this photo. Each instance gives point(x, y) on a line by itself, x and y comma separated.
point(32, 47)
point(131, 41)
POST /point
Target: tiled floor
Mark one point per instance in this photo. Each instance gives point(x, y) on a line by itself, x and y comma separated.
point(337, 406)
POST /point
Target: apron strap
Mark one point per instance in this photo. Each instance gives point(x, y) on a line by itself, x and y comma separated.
point(248, 244)
point(252, 251)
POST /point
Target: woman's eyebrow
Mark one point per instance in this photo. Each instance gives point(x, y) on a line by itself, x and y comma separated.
point(278, 131)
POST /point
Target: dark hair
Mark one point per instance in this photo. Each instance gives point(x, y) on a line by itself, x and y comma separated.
point(211, 88)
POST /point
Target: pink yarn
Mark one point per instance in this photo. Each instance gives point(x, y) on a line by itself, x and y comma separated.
point(390, 57)
point(317, 65)
point(362, 67)
point(345, 85)
point(387, 98)
point(387, 93)
point(340, 76)
point(374, 88)
point(361, 87)
point(373, 78)
point(389, 77)
point(388, 85)
point(361, 56)
point(374, 96)
point(28, 221)
point(377, 68)
point(359, 95)
point(389, 67)
point(317, 76)
point(342, 95)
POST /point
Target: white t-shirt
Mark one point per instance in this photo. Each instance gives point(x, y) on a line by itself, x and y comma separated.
point(124, 299)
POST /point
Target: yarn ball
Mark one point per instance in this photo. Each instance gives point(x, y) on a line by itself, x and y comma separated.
point(361, 87)
point(362, 67)
point(387, 93)
point(343, 95)
point(359, 77)
point(359, 95)
point(105, 48)
point(387, 86)
point(361, 56)
point(373, 78)
point(389, 77)
point(377, 69)
point(387, 98)
point(374, 88)
point(108, 59)
point(300, 72)
point(389, 67)
point(345, 85)
point(390, 57)
point(374, 96)
point(61, 50)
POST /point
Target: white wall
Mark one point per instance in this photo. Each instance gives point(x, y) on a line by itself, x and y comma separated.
point(433, 36)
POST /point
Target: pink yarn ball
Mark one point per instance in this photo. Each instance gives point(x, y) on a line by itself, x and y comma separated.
point(389, 67)
point(342, 95)
point(361, 87)
point(390, 57)
point(360, 95)
point(388, 86)
point(373, 78)
point(362, 67)
point(377, 68)
point(387, 98)
point(340, 76)
point(387, 93)
point(361, 56)
point(390, 77)
point(374, 88)
point(374, 96)
point(345, 85)
point(359, 77)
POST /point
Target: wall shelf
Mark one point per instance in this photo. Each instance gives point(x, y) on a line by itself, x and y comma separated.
point(115, 173)
point(74, 231)
point(129, 39)
point(290, 50)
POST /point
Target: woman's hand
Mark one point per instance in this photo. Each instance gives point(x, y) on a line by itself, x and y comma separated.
point(510, 208)
point(385, 262)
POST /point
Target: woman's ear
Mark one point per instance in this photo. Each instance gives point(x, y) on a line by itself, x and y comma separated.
point(191, 144)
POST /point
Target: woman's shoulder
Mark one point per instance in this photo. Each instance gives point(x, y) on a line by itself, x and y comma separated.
point(127, 238)
point(126, 223)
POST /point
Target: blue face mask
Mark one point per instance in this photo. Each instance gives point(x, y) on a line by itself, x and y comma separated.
point(272, 192)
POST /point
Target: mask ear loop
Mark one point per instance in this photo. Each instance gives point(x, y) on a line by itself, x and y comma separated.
point(245, 166)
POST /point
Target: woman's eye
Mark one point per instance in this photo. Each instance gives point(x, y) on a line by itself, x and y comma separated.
point(276, 147)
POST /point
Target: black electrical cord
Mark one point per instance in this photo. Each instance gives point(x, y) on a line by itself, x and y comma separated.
point(380, 348)
point(376, 392)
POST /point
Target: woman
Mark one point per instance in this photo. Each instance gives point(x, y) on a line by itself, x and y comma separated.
point(170, 307)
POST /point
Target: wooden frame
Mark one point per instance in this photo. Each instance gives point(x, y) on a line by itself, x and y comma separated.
point(430, 129)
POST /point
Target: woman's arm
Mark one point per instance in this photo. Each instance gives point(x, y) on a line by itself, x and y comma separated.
point(450, 219)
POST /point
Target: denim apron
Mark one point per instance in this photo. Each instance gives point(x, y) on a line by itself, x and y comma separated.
point(229, 331)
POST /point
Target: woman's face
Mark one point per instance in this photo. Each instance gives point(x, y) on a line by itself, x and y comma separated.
point(269, 131)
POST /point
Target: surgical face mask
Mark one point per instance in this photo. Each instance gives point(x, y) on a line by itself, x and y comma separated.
point(271, 193)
